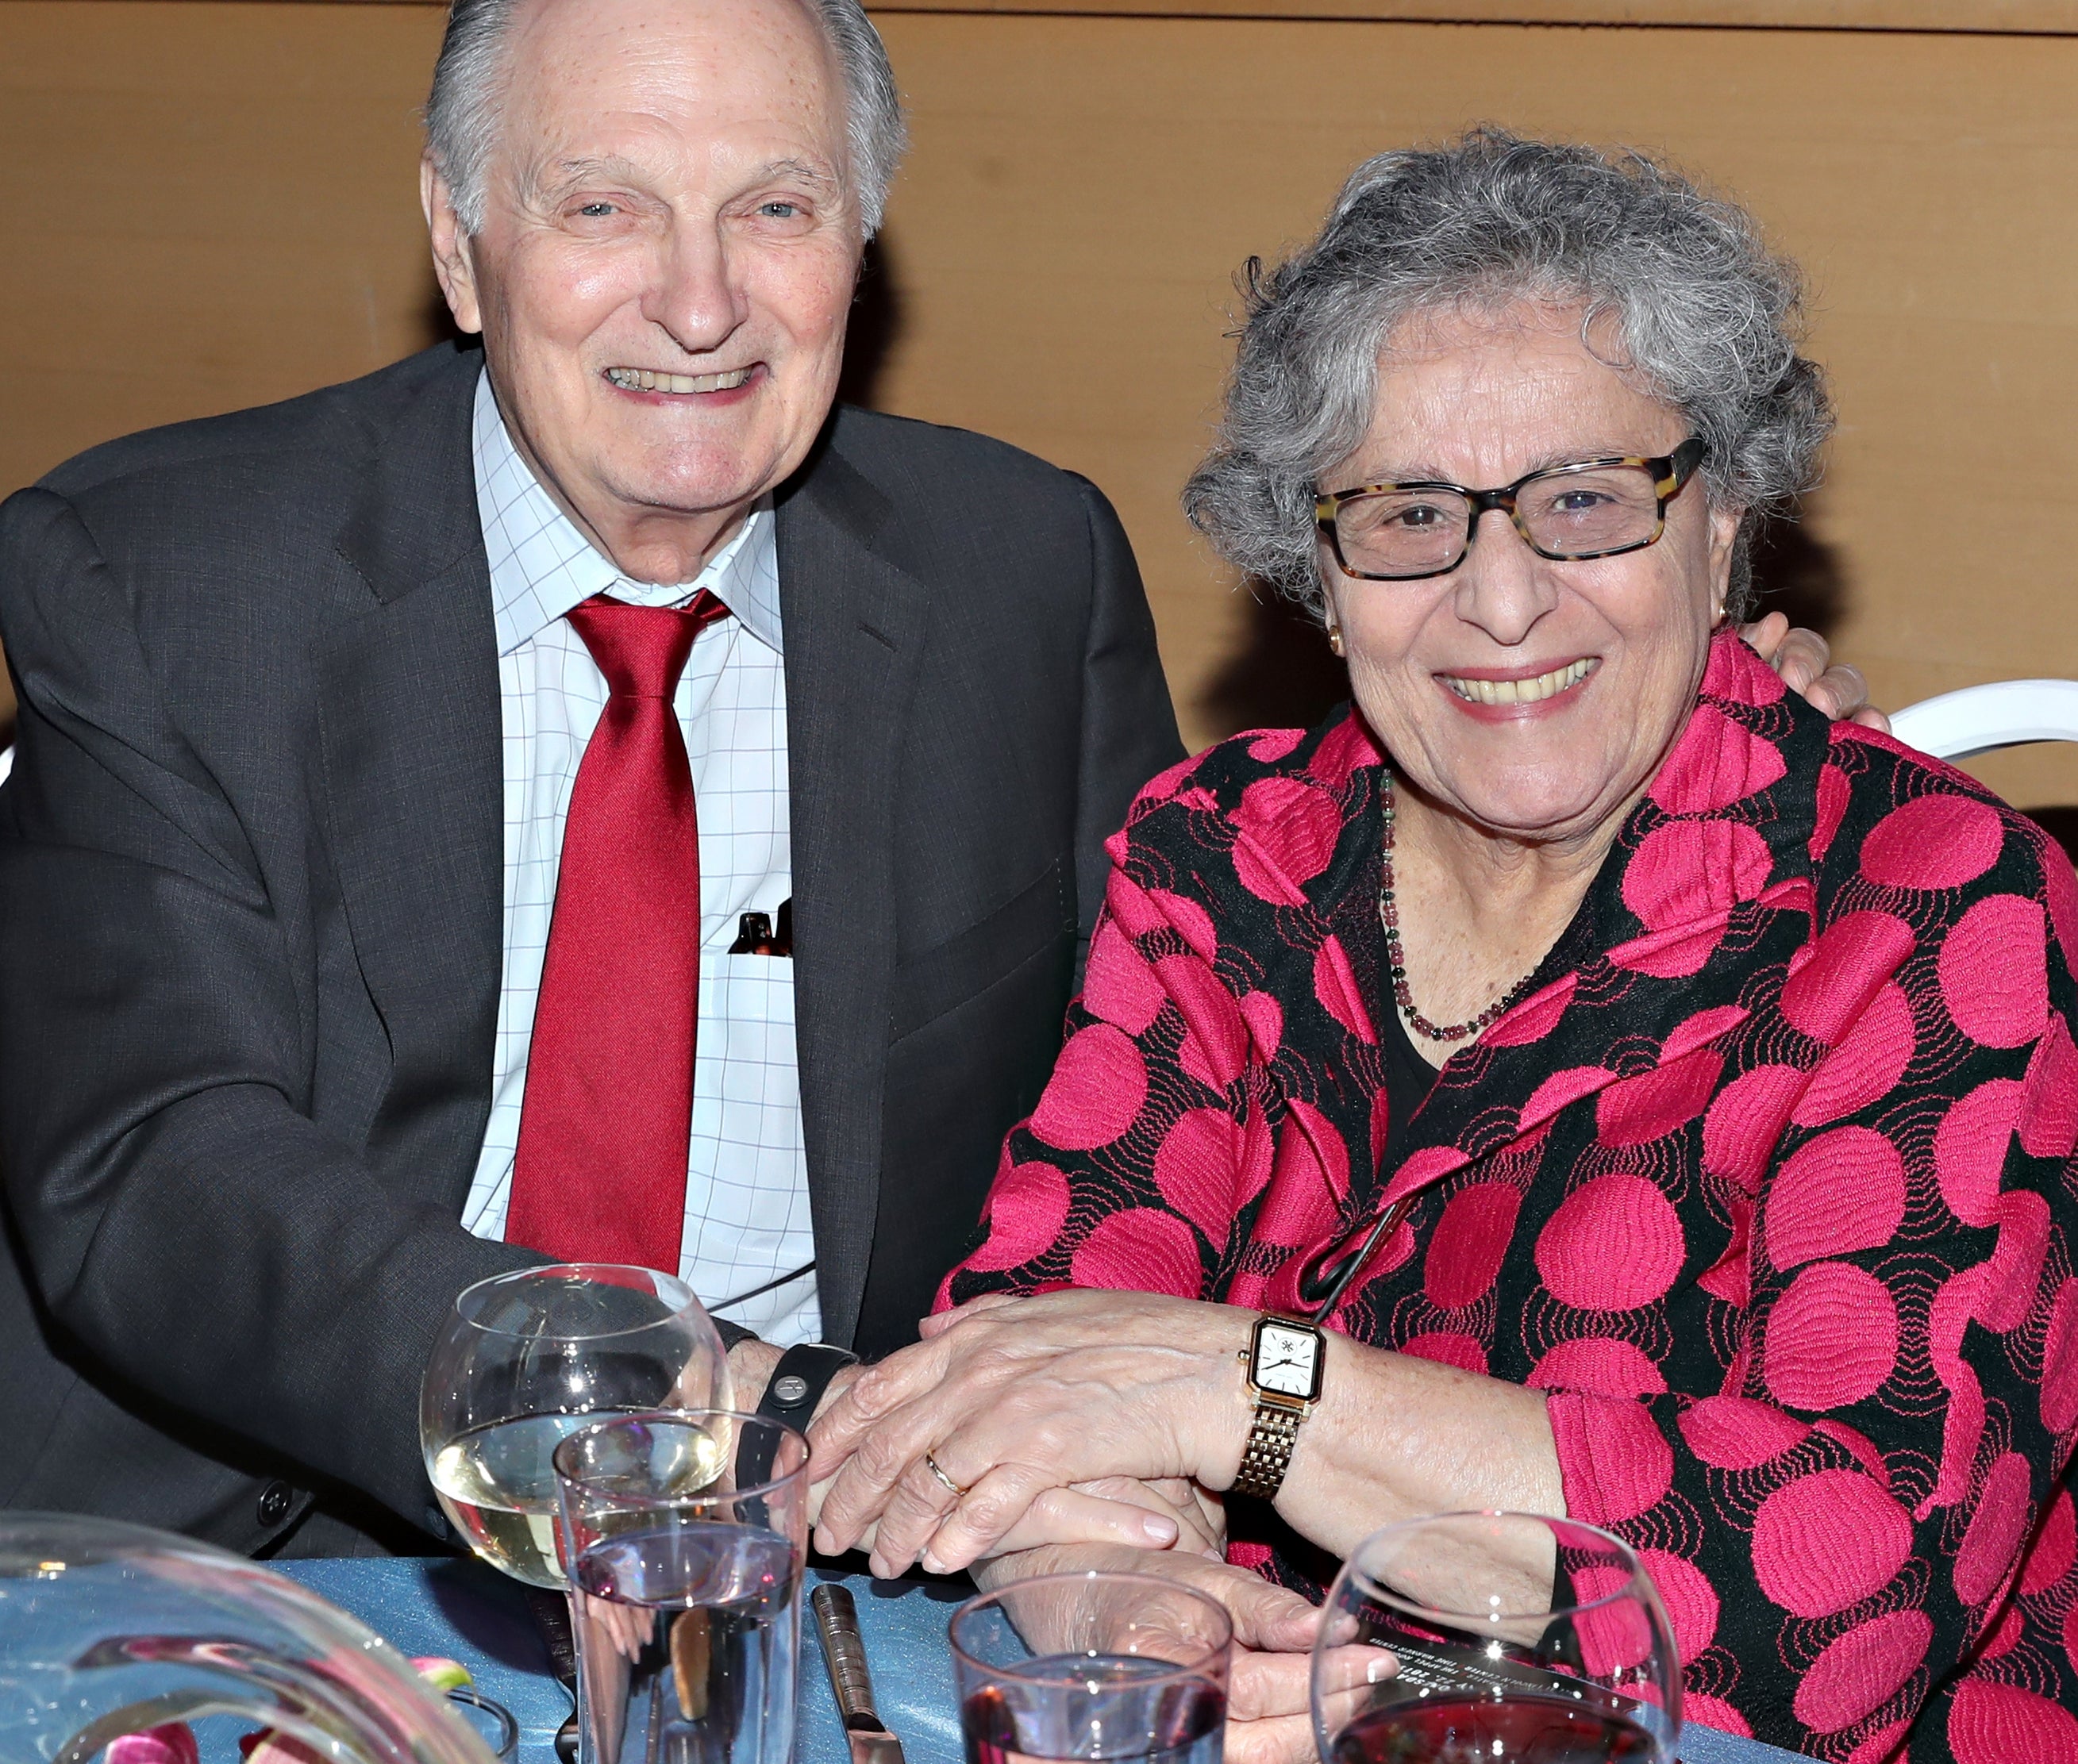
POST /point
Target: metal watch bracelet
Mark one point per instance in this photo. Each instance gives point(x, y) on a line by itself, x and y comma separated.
point(1267, 1454)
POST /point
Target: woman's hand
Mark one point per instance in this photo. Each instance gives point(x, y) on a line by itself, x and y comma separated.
point(1115, 1510)
point(1013, 1398)
point(1267, 1719)
point(1118, 1510)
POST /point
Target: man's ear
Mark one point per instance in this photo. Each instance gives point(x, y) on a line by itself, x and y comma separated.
point(453, 261)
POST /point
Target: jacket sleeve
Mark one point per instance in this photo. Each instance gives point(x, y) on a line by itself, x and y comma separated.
point(1151, 1152)
point(1128, 723)
point(195, 1235)
point(1849, 1520)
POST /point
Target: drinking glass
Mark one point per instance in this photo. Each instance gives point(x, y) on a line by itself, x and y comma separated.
point(1511, 1638)
point(1097, 1666)
point(684, 1536)
point(526, 1359)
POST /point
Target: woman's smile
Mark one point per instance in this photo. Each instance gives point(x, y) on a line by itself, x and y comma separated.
point(1516, 694)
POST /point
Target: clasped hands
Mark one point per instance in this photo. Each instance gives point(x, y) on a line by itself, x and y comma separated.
point(1089, 1429)
point(1015, 1399)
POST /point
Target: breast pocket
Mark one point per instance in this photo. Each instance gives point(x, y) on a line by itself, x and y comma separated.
point(1033, 920)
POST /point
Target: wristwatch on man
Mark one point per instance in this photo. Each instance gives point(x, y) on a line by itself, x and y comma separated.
point(798, 1382)
point(791, 1395)
point(1283, 1364)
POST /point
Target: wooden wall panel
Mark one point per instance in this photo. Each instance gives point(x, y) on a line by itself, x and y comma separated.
point(214, 205)
point(221, 209)
point(2034, 17)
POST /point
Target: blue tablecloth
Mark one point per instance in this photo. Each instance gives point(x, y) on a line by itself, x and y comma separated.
point(466, 1612)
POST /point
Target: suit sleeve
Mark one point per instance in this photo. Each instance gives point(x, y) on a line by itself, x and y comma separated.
point(194, 1234)
point(1868, 1498)
point(1144, 1167)
point(1128, 723)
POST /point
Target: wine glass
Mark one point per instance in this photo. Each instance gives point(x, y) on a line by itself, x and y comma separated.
point(528, 1358)
point(1505, 1637)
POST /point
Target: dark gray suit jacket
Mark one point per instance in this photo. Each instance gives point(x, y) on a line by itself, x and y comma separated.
point(250, 912)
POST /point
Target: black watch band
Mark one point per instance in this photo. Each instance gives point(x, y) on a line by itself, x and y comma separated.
point(796, 1386)
point(797, 1383)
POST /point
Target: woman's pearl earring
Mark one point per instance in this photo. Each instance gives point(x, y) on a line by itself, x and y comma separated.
point(1335, 638)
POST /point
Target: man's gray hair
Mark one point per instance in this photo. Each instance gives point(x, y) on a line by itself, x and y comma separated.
point(1700, 309)
point(469, 79)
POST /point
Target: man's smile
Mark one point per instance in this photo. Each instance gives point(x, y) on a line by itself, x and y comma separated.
point(647, 380)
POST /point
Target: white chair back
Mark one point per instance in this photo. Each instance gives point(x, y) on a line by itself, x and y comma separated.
point(2005, 713)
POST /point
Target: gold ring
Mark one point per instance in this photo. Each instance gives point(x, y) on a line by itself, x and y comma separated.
point(931, 1465)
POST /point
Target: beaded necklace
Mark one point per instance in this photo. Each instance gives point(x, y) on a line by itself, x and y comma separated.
point(1395, 957)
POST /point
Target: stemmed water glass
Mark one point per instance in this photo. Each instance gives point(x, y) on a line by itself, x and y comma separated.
point(1509, 1638)
point(528, 1358)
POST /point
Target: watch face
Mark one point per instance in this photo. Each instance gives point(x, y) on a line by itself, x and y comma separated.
point(1287, 1361)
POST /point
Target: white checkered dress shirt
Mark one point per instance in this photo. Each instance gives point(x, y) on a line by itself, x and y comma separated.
point(747, 1181)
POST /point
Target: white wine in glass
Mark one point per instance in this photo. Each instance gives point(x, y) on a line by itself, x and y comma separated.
point(526, 1359)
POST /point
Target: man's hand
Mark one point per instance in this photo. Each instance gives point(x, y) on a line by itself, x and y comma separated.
point(1267, 1692)
point(1801, 658)
point(1200, 1518)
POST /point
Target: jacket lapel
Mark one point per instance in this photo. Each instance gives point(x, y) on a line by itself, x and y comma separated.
point(1710, 878)
point(410, 728)
point(854, 621)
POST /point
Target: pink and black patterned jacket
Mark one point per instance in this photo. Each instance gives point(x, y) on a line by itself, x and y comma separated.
point(1769, 1182)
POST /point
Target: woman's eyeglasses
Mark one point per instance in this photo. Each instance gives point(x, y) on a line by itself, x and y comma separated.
point(1593, 508)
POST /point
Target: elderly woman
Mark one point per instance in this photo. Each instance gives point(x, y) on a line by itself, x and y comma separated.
point(1625, 1094)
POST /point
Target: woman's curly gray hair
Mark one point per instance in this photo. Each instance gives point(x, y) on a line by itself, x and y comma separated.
point(1698, 305)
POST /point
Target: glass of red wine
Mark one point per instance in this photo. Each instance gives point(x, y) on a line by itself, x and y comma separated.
point(1509, 1638)
point(1093, 1666)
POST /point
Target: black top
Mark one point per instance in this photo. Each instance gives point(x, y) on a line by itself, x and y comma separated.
point(1409, 1078)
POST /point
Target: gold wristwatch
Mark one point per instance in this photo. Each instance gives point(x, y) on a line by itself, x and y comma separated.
point(1283, 1364)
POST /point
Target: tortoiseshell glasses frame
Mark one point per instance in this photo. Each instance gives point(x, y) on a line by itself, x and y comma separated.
point(1668, 474)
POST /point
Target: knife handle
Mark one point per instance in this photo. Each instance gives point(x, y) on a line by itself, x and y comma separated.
point(837, 1619)
point(552, 1619)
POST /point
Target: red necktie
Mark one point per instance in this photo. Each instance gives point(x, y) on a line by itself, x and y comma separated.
point(600, 1171)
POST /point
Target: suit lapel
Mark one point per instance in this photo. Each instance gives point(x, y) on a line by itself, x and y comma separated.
point(855, 622)
point(411, 730)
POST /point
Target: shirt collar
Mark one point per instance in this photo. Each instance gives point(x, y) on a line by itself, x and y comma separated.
point(541, 565)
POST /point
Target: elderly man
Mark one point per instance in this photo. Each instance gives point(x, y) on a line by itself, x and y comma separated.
point(419, 780)
point(301, 1035)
